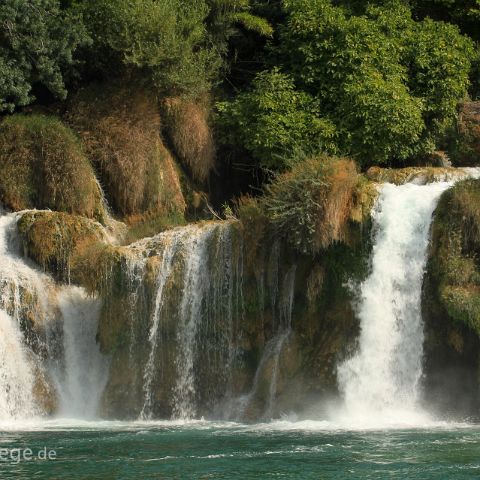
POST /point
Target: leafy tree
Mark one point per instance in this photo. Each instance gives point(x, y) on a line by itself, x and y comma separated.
point(227, 16)
point(164, 42)
point(37, 43)
point(389, 83)
point(465, 13)
point(439, 60)
point(273, 120)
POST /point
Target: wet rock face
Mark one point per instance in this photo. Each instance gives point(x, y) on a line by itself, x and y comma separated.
point(199, 325)
point(451, 360)
point(451, 303)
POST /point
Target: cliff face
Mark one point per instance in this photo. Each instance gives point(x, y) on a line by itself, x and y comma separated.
point(225, 318)
point(451, 306)
point(199, 325)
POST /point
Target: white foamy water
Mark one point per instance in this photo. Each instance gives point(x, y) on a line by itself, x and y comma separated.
point(85, 369)
point(16, 372)
point(17, 363)
point(29, 295)
point(380, 383)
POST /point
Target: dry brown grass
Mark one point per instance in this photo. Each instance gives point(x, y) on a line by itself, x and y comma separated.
point(312, 204)
point(188, 127)
point(43, 166)
point(338, 202)
point(120, 129)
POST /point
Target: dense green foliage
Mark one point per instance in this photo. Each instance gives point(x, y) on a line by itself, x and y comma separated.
point(37, 41)
point(274, 120)
point(165, 41)
point(378, 81)
point(388, 83)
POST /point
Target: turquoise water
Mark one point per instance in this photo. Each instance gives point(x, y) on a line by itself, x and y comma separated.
point(205, 450)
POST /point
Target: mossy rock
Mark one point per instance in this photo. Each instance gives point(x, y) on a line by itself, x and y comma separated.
point(455, 252)
point(44, 166)
point(120, 131)
point(364, 198)
point(53, 239)
point(419, 175)
point(150, 224)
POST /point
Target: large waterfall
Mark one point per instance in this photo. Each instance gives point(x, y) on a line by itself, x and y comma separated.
point(381, 382)
point(189, 336)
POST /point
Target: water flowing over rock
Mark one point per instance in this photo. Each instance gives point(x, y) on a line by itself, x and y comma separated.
point(381, 381)
point(198, 321)
point(85, 372)
point(192, 278)
point(44, 329)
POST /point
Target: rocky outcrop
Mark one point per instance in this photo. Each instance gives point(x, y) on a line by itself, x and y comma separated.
point(451, 305)
point(259, 335)
point(56, 240)
point(418, 175)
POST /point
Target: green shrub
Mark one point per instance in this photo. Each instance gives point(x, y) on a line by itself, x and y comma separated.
point(164, 42)
point(44, 166)
point(274, 120)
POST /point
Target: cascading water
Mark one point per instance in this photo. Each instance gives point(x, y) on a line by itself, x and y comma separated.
point(196, 283)
point(380, 383)
point(171, 243)
point(28, 296)
point(273, 349)
point(16, 372)
point(192, 318)
point(85, 369)
point(18, 365)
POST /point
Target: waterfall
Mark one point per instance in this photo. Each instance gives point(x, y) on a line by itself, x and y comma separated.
point(38, 319)
point(380, 383)
point(16, 372)
point(193, 317)
point(18, 365)
point(170, 247)
point(85, 370)
point(270, 360)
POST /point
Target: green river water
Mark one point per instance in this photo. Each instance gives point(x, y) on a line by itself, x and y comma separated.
point(209, 450)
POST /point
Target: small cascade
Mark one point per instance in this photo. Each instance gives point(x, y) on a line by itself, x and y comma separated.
point(171, 243)
point(270, 361)
point(135, 265)
point(195, 286)
point(193, 316)
point(380, 383)
point(85, 370)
